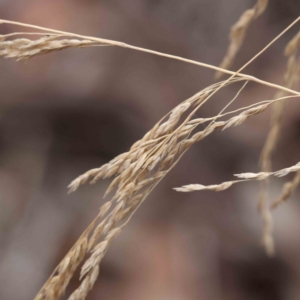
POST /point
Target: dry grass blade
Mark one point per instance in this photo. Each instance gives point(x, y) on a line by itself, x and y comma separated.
point(238, 32)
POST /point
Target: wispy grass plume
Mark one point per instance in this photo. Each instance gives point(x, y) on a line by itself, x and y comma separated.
point(136, 172)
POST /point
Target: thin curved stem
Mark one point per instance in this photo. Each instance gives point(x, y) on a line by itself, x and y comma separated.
point(124, 45)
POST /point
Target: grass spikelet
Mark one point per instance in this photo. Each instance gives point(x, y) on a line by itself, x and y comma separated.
point(238, 32)
point(242, 178)
point(241, 118)
point(22, 48)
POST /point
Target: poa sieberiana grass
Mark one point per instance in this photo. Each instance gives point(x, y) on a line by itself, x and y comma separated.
point(137, 172)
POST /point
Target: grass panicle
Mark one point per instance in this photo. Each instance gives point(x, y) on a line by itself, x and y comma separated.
point(23, 48)
point(238, 32)
point(137, 172)
point(242, 178)
point(290, 80)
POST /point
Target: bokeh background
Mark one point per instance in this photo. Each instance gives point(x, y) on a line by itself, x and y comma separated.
point(64, 113)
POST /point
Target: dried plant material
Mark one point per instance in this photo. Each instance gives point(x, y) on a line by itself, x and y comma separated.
point(268, 225)
point(238, 32)
point(57, 284)
point(293, 46)
point(146, 163)
point(243, 177)
point(267, 237)
point(241, 118)
point(287, 190)
point(134, 182)
point(25, 48)
point(287, 171)
point(116, 166)
point(141, 154)
point(106, 42)
point(253, 176)
point(137, 172)
point(199, 187)
point(291, 78)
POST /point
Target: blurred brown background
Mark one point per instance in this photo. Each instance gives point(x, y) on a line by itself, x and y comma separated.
point(64, 113)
